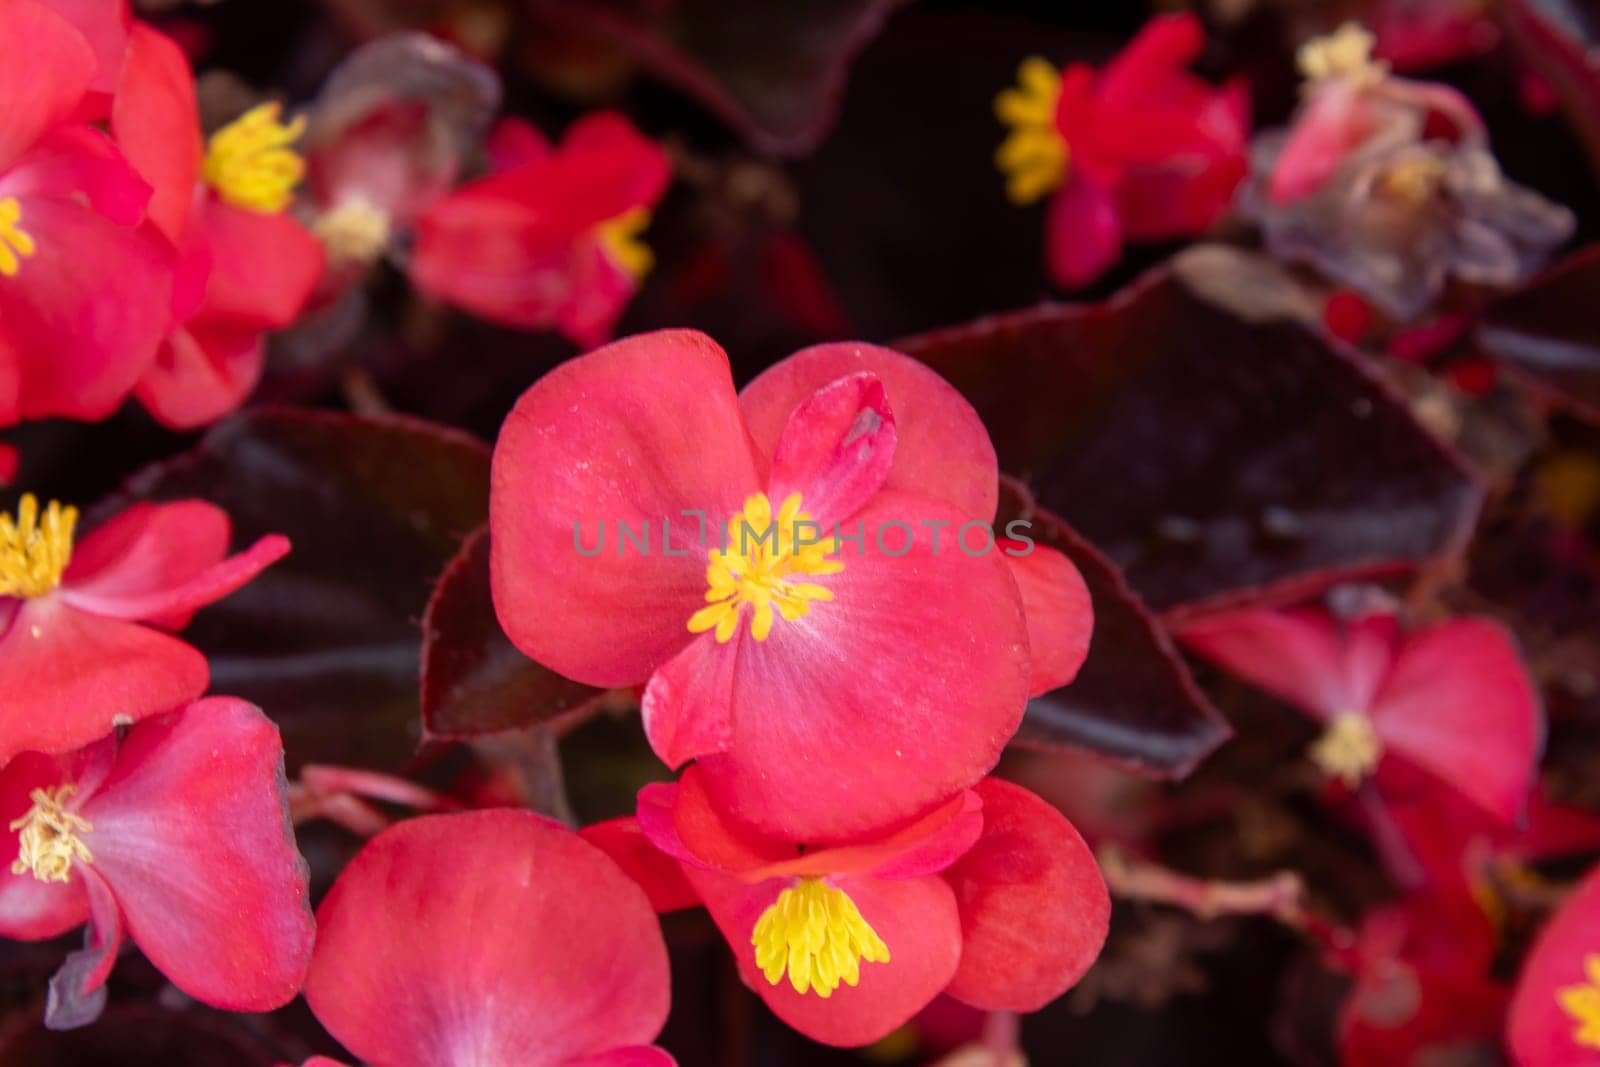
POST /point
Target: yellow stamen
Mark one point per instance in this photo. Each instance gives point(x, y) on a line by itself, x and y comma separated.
point(35, 548)
point(16, 244)
point(1413, 181)
point(816, 933)
point(1582, 1002)
point(49, 840)
point(249, 164)
point(1344, 53)
point(763, 553)
point(1349, 749)
point(1034, 155)
point(619, 238)
point(356, 231)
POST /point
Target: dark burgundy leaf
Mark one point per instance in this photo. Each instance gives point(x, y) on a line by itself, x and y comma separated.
point(1548, 334)
point(474, 681)
point(1217, 448)
point(136, 1035)
point(327, 641)
point(1133, 701)
point(1561, 39)
point(772, 70)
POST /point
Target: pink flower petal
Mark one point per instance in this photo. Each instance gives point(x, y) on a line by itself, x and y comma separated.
point(1083, 235)
point(688, 704)
point(1540, 1032)
point(489, 937)
point(191, 832)
point(640, 431)
point(1059, 612)
point(836, 450)
point(32, 910)
point(156, 123)
point(941, 449)
point(45, 68)
point(201, 374)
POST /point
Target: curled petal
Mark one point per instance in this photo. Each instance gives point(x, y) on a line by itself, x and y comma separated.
point(836, 449)
point(1060, 614)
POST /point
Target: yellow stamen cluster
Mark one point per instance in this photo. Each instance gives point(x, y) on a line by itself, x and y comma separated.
point(619, 239)
point(1344, 53)
point(763, 553)
point(1349, 749)
point(49, 840)
point(249, 162)
point(1034, 155)
point(35, 548)
point(16, 244)
point(816, 933)
point(1582, 1002)
point(356, 231)
point(1413, 181)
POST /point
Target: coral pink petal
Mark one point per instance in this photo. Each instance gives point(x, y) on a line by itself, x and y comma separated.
point(1459, 702)
point(916, 918)
point(941, 450)
point(46, 65)
point(443, 921)
point(925, 846)
point(1565, 955)
point(201, 374)
point(1153, 67)
point(78, 675)
point(632, 1056)
point(884, 701)
point(656, 873)
point(32, 910)
point(1301, 657)
point(156, 123)
point(682, 821)
point(264, 266)
point(638, 432)
point(105, 24)
point(1083, 236)
point(191, 832)
point(1059, 612)
point(515, 141)
point(159, 563)
point(688, 704)
point(1034, 908)
point(1337, 119)
point(836, 451)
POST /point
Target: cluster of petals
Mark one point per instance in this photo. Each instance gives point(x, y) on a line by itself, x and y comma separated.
point(848, 694)
point(1143, 150)
point(489, 937)
point(1388, 186)
point(1453, 699)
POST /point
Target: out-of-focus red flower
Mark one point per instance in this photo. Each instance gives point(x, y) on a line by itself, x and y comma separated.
point(74, 658)
point(553, 239)
point(1421, 989)
point(489, 937)
point(1388, 186)
point(825, 692)
point(176, 836)
point(1412, 34)
point(389, 134)
point(82, 285)
point(1453, 699)
point(245, 266)
point(1142, 150)
point(1555, 1013)
point(992, 897)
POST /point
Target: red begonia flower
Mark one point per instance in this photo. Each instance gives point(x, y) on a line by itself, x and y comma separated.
point(992, 897)
point(177, 835)
point(1453, 699)
point(105, 24)
point(82, 285)
point(1555, 1012)
point(74, 659)
point(550, 242)
point(245, 266)
point(491, 937)
point(1142, 150)
point(1421, 984)
point(827, 692)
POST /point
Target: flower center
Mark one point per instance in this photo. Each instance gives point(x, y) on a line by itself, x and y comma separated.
point(35, 548)
point(816, 933)
point(16, 244)
point(619, 239)
point(249, 164)
point(1349, 749)
point(1344, 53)
point(1034, 155)
point(760, 557)
point(1582, 1002)
point(357, 231)
point(49, 840)
point(1413, 181)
